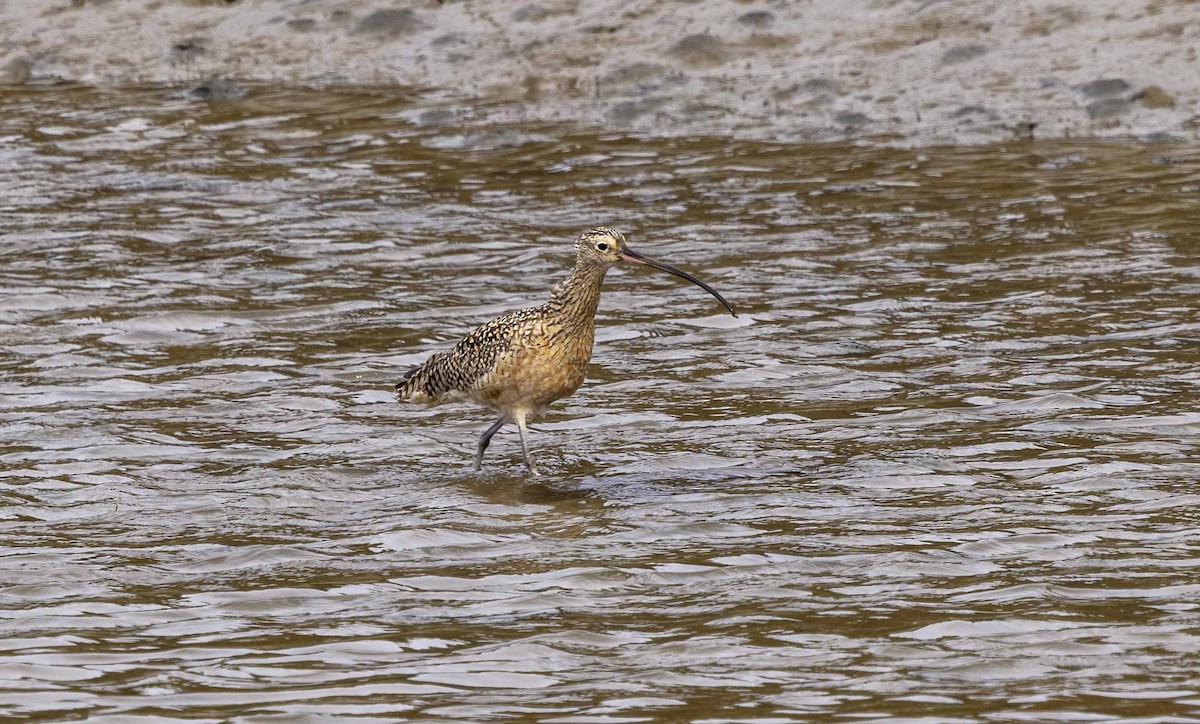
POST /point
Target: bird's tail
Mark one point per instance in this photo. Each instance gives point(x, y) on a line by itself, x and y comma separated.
point(420, 384)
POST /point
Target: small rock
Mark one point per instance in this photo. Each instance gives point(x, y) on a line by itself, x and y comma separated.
point(16, 72)
point(1155, 97)
point(851, 120)
point(1105, 88)
point(973, 113)
point(216, 90)
point(635, 73)
point(436, 117)
point(301, 25)
point(531, 14)
point(963, 53)
point(819, 85)
point(185, 51)
point(389, 23)
point(700, 49)
point(702, 109)
point(757, 19)
point(1108, 108)
point(449, 40)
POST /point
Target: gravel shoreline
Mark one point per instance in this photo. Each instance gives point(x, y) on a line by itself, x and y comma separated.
point(898, 71)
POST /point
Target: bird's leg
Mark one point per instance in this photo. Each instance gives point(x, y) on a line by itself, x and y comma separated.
point(529, 463)
point(487, 438)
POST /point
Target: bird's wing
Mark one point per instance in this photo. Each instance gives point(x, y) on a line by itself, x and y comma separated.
point(460, 369)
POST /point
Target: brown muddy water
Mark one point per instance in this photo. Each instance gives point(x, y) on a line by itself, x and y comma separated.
point(943, 468)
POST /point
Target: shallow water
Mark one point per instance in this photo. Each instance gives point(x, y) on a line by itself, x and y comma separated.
point(943, 466)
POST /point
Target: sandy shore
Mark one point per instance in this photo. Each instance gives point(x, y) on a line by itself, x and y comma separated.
point(908, 71)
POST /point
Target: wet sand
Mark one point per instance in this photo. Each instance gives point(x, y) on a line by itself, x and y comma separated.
point(897, 71)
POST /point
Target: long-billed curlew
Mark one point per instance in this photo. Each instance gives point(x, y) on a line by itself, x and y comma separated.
point(520, 362)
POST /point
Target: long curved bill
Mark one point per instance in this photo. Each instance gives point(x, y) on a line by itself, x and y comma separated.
point(631, 255)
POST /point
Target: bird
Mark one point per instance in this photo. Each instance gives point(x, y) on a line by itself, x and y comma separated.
point(520, 362)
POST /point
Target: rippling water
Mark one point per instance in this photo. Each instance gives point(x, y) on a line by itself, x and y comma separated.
point(943, 466)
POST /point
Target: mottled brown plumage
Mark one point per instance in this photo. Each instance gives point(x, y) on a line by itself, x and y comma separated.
point(522, 361)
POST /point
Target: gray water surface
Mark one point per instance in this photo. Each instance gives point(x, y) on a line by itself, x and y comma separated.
point(942, 466)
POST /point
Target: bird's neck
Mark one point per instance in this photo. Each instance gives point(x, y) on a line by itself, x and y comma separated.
point(579, 295)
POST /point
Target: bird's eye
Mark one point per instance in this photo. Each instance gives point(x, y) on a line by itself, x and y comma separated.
point(602, 246)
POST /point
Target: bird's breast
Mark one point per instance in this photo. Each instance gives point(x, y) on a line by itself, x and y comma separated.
point(546, 362)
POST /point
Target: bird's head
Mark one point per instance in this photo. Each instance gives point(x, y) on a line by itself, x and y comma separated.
point(606, 247)
point(602, 246)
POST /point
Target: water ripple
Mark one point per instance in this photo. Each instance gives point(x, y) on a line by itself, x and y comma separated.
point(941, 467)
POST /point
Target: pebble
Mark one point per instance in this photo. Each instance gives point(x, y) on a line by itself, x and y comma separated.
point(699, 49)
point(531, 14)
point(757, 19)
point(436, 117)
point(820, 85)
point(185, 51)
point(1105, 88)
point(1108, 108)
point(1155, 97)
point(963, 53)
point(851, 120)
point(390, 23)
point(973, 113)
point(16, 72)
point(216, 90)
